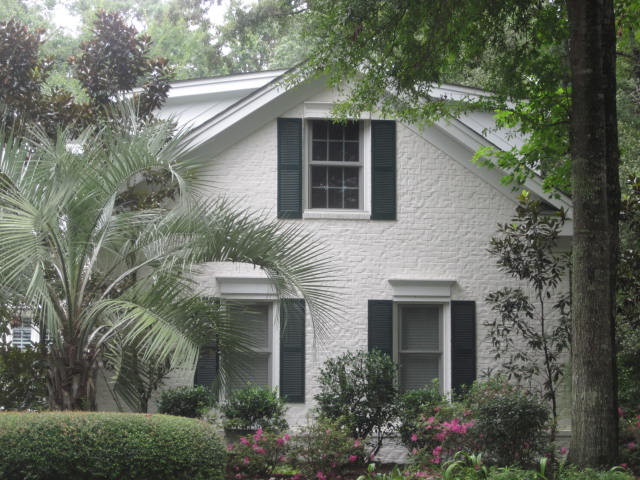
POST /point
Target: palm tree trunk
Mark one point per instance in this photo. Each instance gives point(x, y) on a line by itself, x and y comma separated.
point(71, 381)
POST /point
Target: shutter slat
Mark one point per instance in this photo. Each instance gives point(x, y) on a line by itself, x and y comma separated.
point(381, 325)
point(463, 344)
point(383, 171)
point(289, 168)
point(292, 343)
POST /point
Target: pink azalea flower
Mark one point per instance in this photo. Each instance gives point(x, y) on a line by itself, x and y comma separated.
point(352, 458)
point(238, 476)
point(357, 443)
point(280, 441)
point(414, 437)
point(631, 445)
point(321, 476)
point(563, 450)
point(244, 441)
point(287, 437)
point(258, 450)
point(620, 412)
point(414, 451)
point(624, 465)
point(282, 459)
point(245, 460)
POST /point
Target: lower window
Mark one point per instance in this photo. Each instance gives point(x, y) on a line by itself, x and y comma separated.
point(254, 325)
point(419, 346)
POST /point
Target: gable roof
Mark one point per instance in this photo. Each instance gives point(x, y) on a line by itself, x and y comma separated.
point(228, 108)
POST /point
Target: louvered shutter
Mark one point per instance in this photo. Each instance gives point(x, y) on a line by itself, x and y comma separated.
point(292, 342)
point(383, 171)
point(463, 344)
point(289, 168)
point(381, 325)
point(207, 366)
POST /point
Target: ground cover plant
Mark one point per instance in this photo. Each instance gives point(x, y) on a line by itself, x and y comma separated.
point(110, 446)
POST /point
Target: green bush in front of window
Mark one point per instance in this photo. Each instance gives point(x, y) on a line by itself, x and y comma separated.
point(359, 391)
point(254, 407)
point(190, 402)
point(413, 405)
point(109, 446)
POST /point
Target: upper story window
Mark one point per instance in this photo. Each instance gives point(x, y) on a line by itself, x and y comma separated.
point(335, 165)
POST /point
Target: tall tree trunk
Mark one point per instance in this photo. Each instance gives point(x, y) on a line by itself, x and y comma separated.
point(594, 158)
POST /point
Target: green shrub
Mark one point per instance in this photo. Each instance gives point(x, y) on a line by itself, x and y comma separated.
point(255, 407)
point(573, 473)
point(326, 451)
point(510, 423)
point(413, 406)
point(190, 402)
point(83, 445)
point(360, 392)
point(630, 441)
point(256, 456)
point(23, 383)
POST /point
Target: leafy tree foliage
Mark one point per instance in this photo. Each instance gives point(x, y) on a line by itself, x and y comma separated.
point(111, 63)
point(23, 383)
point(531, 330)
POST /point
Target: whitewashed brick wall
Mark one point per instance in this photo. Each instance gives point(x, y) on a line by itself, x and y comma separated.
point(446, 216)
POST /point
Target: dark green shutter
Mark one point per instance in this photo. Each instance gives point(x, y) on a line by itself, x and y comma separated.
point(207, 366)
point(289, 168)
point(383, 171)
point(292, 339)
point(463, 344)
point(381, 325)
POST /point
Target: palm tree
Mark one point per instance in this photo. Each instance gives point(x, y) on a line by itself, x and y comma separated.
point(95, 274)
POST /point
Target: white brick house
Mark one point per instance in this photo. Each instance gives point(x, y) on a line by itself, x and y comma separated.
point(405, 212)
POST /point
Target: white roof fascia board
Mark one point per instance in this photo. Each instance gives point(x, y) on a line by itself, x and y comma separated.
point(250, 113)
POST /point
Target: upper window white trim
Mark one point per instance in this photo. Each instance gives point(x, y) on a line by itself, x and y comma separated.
point(405, 288)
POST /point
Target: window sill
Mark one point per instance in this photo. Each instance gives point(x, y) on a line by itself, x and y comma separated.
point(335, 215)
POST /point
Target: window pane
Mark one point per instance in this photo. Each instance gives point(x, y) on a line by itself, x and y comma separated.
point(336, 131)
point(351, 177)
point(319, 150)
point(254, 324)
point(418, 370)
point(335, 198)
point(318, 176)
point(420, 328)
point(319, 198)
point(335, 176)
point(253, 369)
point(335, 151)
point(352, 131)
point(320, 129)
point(351, 198)
point(351, 152)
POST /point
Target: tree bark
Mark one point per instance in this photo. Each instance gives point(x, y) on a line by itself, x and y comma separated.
point(594, 163)
point(71, 381)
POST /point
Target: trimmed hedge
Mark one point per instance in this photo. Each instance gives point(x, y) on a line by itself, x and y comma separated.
point(84, 445)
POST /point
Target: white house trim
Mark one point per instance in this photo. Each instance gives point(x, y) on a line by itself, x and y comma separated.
point(246, 288)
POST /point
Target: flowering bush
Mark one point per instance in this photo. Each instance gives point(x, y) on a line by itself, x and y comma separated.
point(326, 451)
point(411, 408)
point(440, 433)
point(630, 441)
point(256, 456)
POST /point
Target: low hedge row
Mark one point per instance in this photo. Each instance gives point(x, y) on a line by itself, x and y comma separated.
point(83, 445)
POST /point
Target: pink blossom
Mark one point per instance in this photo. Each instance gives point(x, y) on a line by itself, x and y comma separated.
point(280, 441)
point(244, 441)
point(431, 420)
point(287, 437)
point(245, 460)
point(372, 457)
point(414, 437)
point(563, 451)
point(620, 412)
point(230, 447)
point(333, 464)
point(357, 443)
point(436, 451)
point(282, 458)
point(297, 476)
point(631, 445)
point(321, 476)
point(414, 451)
point(238, 476)
point(258, 450)
point(352, 458)
point(624, 465)
point(258, 435)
